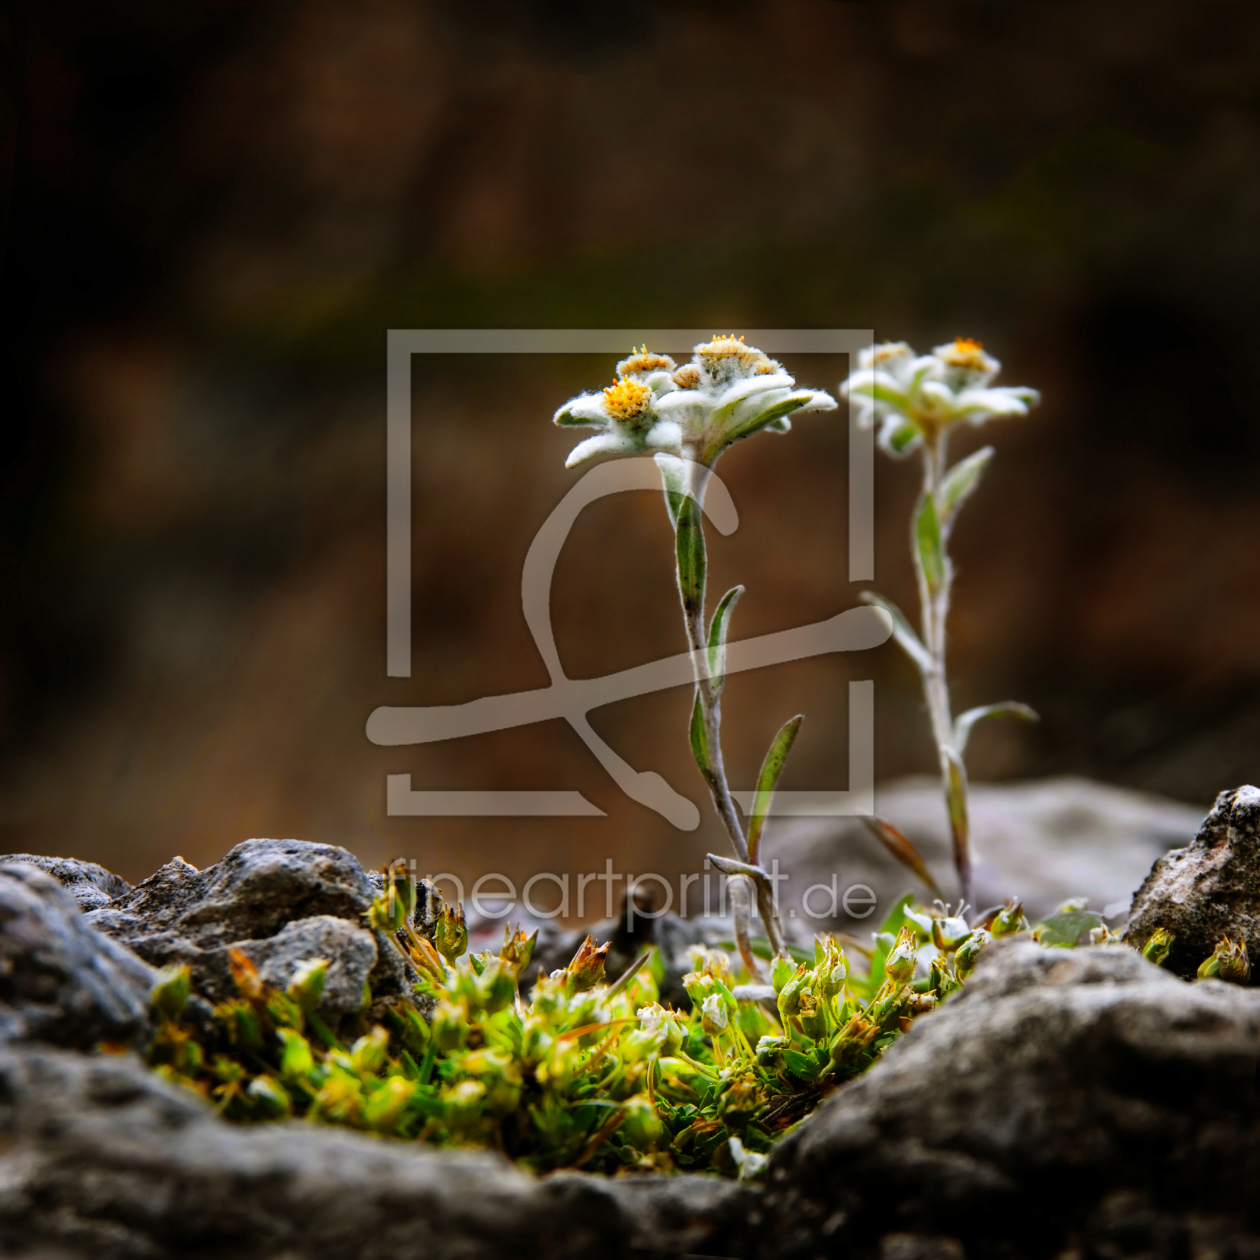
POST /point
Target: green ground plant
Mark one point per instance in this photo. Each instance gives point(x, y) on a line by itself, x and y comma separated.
point(583, 1072)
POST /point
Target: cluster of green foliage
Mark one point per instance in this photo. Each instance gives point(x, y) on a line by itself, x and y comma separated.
point(582, 1074)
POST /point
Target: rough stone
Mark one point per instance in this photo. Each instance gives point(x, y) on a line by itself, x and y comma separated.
point(247, 901)
point(1076, 1101)
point(1208, 889)
point(60, 981)
point(350, 951)
point(100, 1158)
point(1044, 841)
point(90, 885)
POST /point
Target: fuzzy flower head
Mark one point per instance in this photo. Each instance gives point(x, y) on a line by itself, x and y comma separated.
point(728, 391)
point(915, 398)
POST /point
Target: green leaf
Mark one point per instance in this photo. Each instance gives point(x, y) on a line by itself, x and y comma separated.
point(1066, 927)
point(800, 1065)
point(960, 481)
point(674, 480)
point(927, 533)
point(717, 638)
point(956, 799)
point(689, 541)
point(903, 632)
point(1008, 708)
point(768, 780)
point(901, 848)
point(700, 739)
point(902, 438)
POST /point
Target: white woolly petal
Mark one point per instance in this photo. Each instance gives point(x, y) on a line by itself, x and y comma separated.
point(586, 410)
point(892, 426)
point(664, 435)
point(819, 400)
point(878, 386)
point(604, 444)
point(1002, 401)
point(753, 385)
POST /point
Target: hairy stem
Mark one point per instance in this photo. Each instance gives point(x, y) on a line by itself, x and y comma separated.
point(711, 714)
point(934, 604)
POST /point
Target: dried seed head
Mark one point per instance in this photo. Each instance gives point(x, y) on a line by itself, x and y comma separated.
point(687, 377)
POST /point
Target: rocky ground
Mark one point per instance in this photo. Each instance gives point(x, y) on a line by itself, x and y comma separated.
point(1069, 1103)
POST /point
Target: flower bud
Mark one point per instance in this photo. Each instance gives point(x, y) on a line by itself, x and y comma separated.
point(385, 1104)
point(368, 1053)
point(968, 952)
point(1102, 935)
point(401, 889)
point(587, 968)
point(451, 932)
point(307, 983)
point(1010, 919)
point(641, 1126)
point(790, 994)
point(832, 969)
point(518, 949)
point(1229, 961)
point(296, 1058)
point(269, 1097)
point(170, 992)
point(901, 960)
point(1156, 949)
point(781, 971)
point(248, 982)
point(713, 1016)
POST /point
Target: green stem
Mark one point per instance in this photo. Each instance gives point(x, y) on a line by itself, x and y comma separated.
point(691, 592)
point(935, 612)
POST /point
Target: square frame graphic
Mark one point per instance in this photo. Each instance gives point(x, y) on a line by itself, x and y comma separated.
point(402, 344)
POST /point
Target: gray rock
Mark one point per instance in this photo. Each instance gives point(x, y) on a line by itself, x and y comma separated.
point(260, 889)
point(1208, 889)
point(350, 951)
point(100, 1158)
point(1067, 1099)
point(60, 981)
point(90, 885)
point(1043, 841)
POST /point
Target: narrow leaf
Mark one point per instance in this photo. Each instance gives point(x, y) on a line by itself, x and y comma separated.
point(717, 637)
point(903, 632)
point(899, 845)
point(1008, 708)
point(700, 739)
point(927, 533)
point(768, 780)
point(960, 481)
point(689, 541)
point(674, 480)
point(956, 800)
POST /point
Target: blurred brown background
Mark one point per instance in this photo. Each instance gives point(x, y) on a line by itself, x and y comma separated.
point(214, 211)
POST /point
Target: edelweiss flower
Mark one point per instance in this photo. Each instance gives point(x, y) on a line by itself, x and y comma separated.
point(917, 397)
point(727, 392)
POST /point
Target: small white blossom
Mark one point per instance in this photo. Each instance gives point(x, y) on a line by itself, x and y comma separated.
point(917, 397)
point(727, 392)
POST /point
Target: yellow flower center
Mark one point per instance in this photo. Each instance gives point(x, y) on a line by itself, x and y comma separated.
point(625, 399)
point(731, 347)
point(966, 353)
point(645, 360)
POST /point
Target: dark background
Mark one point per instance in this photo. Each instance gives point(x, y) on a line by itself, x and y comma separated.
point(213, 212)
